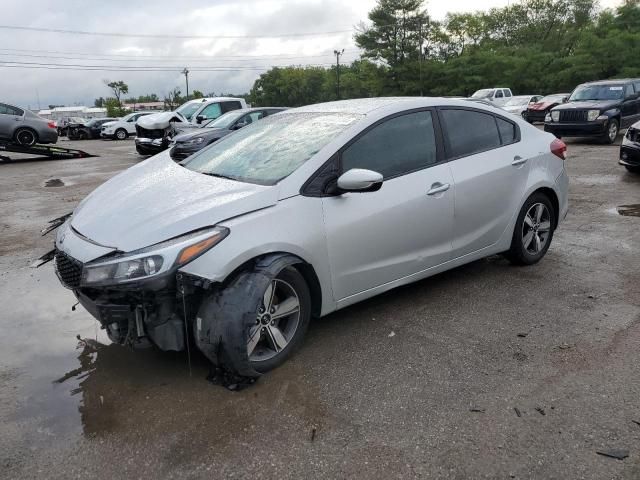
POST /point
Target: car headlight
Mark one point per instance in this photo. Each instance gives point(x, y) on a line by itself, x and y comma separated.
point(592, 115)
point(555, 116)
point(154, 260)
point(195, 141)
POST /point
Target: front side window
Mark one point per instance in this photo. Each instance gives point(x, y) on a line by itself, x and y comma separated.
point(400, 145)
point(211, 111)
point(265, 152)
point(507, 93)
point(9, 110)
point(469, 132)
point(499, 94)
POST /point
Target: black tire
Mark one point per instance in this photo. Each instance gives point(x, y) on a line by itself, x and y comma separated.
point(120, 134)
point(632, 169)
point(609, 137)
point(292, 277)
point(26, 137)
point(518, 253)
point(82, 135)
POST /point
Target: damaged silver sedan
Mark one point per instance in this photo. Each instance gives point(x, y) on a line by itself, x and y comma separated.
point(304, 213)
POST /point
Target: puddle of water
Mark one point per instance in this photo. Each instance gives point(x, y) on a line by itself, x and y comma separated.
point(54, 182)
point(629, 210)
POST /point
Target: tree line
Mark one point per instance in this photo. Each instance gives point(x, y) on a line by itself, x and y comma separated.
point(533, 47)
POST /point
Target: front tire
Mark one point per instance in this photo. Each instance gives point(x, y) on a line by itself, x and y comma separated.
point(26, 137)
point(121, 134)
point(613, 127)
point(632, 169)
point(533, 231)
point(282, 320)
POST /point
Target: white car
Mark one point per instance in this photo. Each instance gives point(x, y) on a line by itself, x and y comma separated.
point(497, 96)
point(518, 105)
point(304, 213)
point(120, 129)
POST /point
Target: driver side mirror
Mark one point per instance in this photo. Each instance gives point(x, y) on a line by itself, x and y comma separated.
point(360, 180)
point(200, 118)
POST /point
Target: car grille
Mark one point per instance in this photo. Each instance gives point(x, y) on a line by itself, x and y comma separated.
point(68, 269)
point(573, 115)
point(145, 133)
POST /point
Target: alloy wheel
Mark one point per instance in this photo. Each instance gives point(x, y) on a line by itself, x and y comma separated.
point(613, 131)
point(536, 228)
point(121, 135)
point(277, 321)
point(26, 137)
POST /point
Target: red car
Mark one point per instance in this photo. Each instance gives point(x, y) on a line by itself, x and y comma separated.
point(537, 111)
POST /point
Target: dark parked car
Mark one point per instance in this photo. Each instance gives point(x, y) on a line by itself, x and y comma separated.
point(537, 111)
point(597, 109)
point(87, 130)
point(630, 149)
point(193, 140)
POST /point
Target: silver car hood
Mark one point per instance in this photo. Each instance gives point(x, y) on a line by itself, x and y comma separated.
point(160, 120)
point(158, 199)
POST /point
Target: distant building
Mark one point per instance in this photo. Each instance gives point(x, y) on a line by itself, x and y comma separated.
point(59, 113)
point(131, 107)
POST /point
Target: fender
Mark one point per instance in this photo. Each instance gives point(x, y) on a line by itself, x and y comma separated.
point(226, 314)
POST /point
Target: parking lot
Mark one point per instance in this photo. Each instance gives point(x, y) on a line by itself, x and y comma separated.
point(486, 371)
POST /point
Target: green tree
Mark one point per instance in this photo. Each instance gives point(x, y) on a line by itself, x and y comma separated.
point(118, 88)
point(197, 94)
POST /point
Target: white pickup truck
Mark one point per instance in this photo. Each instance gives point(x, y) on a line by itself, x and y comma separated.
point(497, 95)
point(153, 130)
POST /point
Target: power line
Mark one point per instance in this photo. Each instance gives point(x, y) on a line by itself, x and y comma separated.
point(177, 57)
point(165, 35)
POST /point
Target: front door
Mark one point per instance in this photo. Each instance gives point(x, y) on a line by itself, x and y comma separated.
point(405, 227)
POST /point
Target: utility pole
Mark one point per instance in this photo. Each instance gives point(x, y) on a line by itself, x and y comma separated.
point(338, 54)
point(185, 72)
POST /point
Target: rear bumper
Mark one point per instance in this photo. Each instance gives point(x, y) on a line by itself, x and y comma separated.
point(48, 136)
point(562, 188)
point(586, 129)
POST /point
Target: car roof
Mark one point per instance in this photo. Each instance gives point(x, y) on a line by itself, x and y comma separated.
point(366, 106)
point(613, 80)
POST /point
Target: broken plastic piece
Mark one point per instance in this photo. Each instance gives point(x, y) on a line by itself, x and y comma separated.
point(46, 258)
point(55, 223)
point(617, 453)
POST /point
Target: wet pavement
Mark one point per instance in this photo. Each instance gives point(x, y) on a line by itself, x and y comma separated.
point(486, 371)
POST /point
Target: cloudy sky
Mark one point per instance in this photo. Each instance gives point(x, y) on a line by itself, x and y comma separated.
point(259, 34)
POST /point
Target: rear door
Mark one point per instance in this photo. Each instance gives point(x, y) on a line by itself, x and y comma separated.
point(374, 238)
point(490, 171)
point(629, 109)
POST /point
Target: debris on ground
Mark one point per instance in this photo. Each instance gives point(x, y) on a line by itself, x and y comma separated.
point(636, 422)
point(617, 453)
point(565, 346)
point(517, 410)
point(229, 380)
point(522, 334)
point(392, 334)
point(477, 410)
point(54, 182)
point(313, 433)
point(541, 411)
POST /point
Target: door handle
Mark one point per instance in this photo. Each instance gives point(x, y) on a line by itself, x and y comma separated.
point(518, 160)
point(438, 188)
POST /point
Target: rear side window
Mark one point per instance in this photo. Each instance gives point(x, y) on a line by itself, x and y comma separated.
point(628, 90)
point(9, 110)
point(507, 131)
point(228, 106)
point(507, 93)
point(498, 93)
point(469, 132)
point(397, 146)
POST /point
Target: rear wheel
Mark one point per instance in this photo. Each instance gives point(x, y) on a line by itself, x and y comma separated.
point(26, 137)
point(82, 135)
point(632, 169)
point(533, 231)
point(612, 131)
point(121, 134)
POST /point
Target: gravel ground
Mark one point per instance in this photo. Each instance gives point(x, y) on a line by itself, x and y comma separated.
point(486, 371)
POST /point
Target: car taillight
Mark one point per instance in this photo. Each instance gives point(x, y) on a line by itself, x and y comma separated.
point(52, 124)
point(559, 149)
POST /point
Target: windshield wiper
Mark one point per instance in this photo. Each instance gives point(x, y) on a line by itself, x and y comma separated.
point(218, 175)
